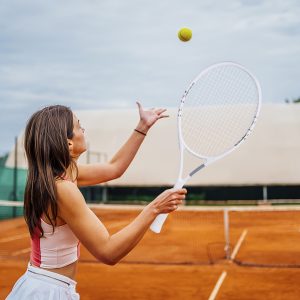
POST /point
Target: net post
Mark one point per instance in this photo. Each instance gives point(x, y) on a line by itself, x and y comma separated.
point(15, 178)
point(226, 233)
point(104, 187)
point(265, 194)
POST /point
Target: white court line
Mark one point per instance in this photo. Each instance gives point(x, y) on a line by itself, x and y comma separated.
point(215, 291)
point(238, 245)
point(26, 250)
point(14, 237)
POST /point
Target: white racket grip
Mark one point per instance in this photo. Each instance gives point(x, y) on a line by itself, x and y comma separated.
point(159, 221)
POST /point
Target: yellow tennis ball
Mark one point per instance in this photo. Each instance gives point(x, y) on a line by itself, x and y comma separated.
point(185, 34)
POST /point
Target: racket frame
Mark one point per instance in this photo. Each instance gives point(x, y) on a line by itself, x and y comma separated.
point(160, 219)
point(211, 159)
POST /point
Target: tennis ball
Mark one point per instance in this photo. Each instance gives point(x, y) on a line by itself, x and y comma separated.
point(185, 34)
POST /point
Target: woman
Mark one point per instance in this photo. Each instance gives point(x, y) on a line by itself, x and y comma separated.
point(55, 211)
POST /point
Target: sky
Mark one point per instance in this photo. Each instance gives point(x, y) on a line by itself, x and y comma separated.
point(107, 54)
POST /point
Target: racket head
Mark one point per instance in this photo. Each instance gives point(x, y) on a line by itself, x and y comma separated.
point(218, 110)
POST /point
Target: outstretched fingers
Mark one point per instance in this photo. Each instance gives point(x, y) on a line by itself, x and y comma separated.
point(160, 113)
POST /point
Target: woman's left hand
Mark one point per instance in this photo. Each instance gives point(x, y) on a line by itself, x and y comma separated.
point(149, 117)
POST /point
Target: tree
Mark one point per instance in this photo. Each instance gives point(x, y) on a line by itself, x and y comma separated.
point(296, 100)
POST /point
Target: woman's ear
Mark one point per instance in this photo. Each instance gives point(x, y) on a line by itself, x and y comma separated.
point(70, 144)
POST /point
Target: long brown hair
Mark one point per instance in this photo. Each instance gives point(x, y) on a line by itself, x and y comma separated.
point(48, 156)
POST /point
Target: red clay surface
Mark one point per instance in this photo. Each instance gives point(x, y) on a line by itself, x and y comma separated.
point(156, 269)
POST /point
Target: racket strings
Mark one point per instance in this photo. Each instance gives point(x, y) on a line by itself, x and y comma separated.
point(213, 138)
point(219, 110)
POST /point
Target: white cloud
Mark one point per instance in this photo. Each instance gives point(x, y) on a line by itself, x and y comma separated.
point(93, 54)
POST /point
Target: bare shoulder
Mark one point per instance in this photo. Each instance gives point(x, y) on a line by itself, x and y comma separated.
point(65, 185)
point(68, 193)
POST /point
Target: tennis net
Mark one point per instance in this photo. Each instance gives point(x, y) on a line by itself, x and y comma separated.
point(248, 236)
point(10, 209)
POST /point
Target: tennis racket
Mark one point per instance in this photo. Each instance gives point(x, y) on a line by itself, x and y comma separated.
point(216, 114)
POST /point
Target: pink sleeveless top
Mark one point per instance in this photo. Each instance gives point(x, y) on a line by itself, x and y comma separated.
point(54, 250)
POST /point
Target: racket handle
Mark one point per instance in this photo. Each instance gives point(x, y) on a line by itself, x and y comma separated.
point(160, 219)
point(158, 223)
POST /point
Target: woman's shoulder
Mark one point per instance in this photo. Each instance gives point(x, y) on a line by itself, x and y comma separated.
point(69, 198)
point(63, 185)
point(65, 189)
point(66, 178)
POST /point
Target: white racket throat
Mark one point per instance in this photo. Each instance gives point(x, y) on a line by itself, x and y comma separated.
point(216, 114)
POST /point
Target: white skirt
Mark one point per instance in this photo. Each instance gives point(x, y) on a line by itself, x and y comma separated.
point(40, 284)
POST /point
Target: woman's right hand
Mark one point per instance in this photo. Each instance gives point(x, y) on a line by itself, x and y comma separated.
point(168, 201)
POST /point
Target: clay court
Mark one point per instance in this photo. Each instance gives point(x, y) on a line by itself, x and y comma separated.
point(187, 260)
